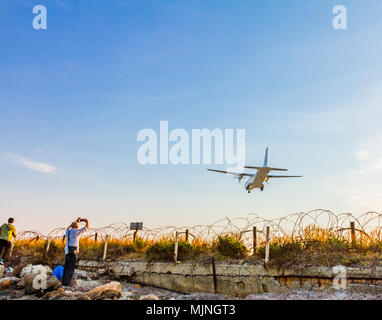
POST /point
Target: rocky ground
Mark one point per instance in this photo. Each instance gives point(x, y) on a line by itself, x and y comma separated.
point(37, 282)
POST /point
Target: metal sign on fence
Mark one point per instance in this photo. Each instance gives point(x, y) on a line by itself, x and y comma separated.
point(136, 225)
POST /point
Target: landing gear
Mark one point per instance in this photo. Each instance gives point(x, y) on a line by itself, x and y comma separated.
point(249, 191)
point(262, 188)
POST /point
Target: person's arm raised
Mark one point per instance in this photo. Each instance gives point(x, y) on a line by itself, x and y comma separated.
point(86, 221)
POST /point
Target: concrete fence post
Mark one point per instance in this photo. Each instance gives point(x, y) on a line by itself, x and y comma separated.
point(254, 240)
point(176, 248)
point(352, 230)
point(47, 247)
point(267, 245)
point(105, 247)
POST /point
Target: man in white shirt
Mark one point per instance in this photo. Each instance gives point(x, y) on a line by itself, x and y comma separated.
point(71, 249)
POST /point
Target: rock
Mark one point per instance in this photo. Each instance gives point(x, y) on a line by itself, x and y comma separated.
point(87, 284)
point(36, 278)
point(28, 297)
point(53, 283)
point(65, 295)
point(6, 283)
point(54, 295)
point(1, 270)
point(79, 296)
point(149, 297)
point(81, 274)
point(50, 295)
point(126, 295)
point(16, 294)
point(109, 290)
point(93, 275)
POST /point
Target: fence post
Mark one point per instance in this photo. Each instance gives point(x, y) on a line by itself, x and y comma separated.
point(47, 247)
point(12, 245)
point(135, 235)
point(267, 245)
point(187, 235)
point(105, 247)
point(214, 274)
point(96, 237)
point(254, 240)
point(176, 248)
point(352, 230)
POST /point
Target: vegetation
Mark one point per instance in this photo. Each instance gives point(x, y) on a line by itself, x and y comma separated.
point(231, 247)
point(314, 247)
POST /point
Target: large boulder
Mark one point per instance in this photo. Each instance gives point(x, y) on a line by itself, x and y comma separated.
point(86, 285)
point(110, 290)
point(36, 278)
point(8, 282)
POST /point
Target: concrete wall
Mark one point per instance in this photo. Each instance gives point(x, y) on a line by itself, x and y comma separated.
point(234, 279)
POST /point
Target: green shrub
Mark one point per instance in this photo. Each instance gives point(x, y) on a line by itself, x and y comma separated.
point(231, 247)
point(284, 254)
point(139, 244)
point(337, 243)
point(164, 251)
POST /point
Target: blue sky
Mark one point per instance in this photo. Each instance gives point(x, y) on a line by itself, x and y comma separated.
point(73, 98)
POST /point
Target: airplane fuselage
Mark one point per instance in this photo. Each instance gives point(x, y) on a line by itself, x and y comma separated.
point(258, 180)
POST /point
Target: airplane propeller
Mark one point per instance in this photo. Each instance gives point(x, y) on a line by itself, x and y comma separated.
point(239, 179)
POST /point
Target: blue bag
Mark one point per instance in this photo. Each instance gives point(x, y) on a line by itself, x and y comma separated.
point(58, 272)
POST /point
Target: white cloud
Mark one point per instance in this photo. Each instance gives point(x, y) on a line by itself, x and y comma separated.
point(363, 155)
point(36, 166)
point(362, 186)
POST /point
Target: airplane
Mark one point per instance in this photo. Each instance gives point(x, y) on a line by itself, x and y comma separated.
point(257, 180)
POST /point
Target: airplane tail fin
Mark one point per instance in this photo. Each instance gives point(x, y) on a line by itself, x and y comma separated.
point(265, 164)
point(266, 158)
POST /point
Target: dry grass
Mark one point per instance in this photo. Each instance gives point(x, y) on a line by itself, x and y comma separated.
point(317, 246)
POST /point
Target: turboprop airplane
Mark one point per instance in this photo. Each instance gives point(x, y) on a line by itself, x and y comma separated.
point(257, 180)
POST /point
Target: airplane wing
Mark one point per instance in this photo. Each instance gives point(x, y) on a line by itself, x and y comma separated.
point(233, 173)
point(258, 168)
point(251, 167)
point(270, 176)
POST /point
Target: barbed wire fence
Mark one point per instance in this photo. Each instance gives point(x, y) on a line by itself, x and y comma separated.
point(294, 226)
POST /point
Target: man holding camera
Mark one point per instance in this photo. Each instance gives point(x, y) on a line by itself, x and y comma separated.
point(71, 249)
